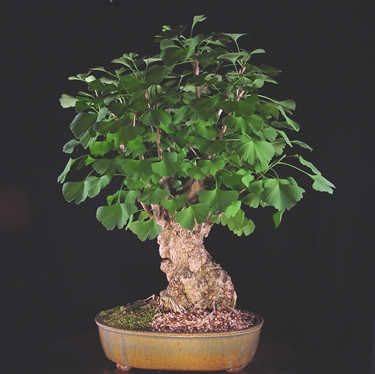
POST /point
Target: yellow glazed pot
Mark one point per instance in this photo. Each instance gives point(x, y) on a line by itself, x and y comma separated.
point(230, 351)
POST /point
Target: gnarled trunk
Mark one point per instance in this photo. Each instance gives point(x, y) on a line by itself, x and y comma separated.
point(195, 281)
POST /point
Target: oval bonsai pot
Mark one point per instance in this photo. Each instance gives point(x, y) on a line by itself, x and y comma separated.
point(212, 351)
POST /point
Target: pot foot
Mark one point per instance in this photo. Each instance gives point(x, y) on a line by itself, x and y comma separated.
point(123, 367)
point(235, 370)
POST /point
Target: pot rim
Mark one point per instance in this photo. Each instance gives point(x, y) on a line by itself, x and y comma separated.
point(214, 334)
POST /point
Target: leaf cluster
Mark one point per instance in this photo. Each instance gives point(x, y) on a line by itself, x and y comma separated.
point(184, 133)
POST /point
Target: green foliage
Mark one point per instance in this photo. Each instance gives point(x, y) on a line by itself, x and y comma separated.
point(145, 228)
point(184, 133)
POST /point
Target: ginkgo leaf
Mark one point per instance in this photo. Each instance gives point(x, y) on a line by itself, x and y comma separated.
point(67, 101)
point(282, 194)
point(233, 56)
point(277, 218)
point(100, 148)
point(218, 199)
point(278, 145)
point(170, 56)
point(96, 184)
point(302, 144)
point(212, 166)
point(237, 123)
point(125, 135)
point(152, 195)
point(175, 204)
point(254, 150)
point(82, 122)
point(238, 223)
point(236, 180)
point(245, 107)
point(77, 191)
point(232, 209)
point(233, 36)
point(70, 145)
point(115, 215)
point(147, 229)
point(108, 166)
point(308, 164)
point(156, 117)
point(138, 170)
point(185, 218)
point(213, 146)
point(322, 184)
point(123, 197)
point(197, 19)
point(195, 213)
point(294, 125)
point(195, 172)
point(62, 176)
point(131, 83)
point(167, 167)
point(252, 200)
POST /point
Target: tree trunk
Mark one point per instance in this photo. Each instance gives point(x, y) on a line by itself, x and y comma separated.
point(195, 281)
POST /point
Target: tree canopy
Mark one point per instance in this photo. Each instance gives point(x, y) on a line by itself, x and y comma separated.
point(184, 133)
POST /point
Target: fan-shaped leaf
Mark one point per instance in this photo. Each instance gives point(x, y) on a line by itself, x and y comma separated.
point(232, 209)
point(156, 117)
point(175, 204)
point(62, 176)
point(170, 56)
point(212, 166)
point(308, 164)
point(322, 184)
point(195, 213)
point(195, 172)
point(152, 195)
point(197, 19)
point(147, 229)
point(254, 150)
point(138, 170)
point(282, 194)
point(82, 122)
point(96, 184)
point(301, 144)
point(67, 101)
point(130, 83)
point(168, 166)
point(218, 199)
point(115, 215)
point(238, 223)
point(277, 218)
point(77, 191)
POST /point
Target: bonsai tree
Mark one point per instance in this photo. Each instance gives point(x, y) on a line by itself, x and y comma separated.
point(186, 141)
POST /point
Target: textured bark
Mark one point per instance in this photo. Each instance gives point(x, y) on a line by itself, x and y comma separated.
point(195, 281)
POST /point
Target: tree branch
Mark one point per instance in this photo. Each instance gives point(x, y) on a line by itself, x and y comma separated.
point(146, 208)
point(222, 131)
point(158, 143)
point(165, 183)
point(195, 64)
point(192, 187)
point(239, 95)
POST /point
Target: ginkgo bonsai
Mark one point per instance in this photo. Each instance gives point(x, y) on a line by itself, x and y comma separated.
point(189, 142)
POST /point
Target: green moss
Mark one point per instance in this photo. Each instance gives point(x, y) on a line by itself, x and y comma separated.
point(134, 316)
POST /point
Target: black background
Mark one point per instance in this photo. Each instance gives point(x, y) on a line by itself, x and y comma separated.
point(312, 279)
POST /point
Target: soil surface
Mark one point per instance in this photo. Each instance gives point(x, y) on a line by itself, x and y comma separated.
point(147, 315)
point(202, 321)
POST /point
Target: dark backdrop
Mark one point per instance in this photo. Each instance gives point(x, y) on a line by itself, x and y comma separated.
point(312, 279)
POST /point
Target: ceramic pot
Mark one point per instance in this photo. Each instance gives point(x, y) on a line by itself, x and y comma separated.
point(230, 351)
